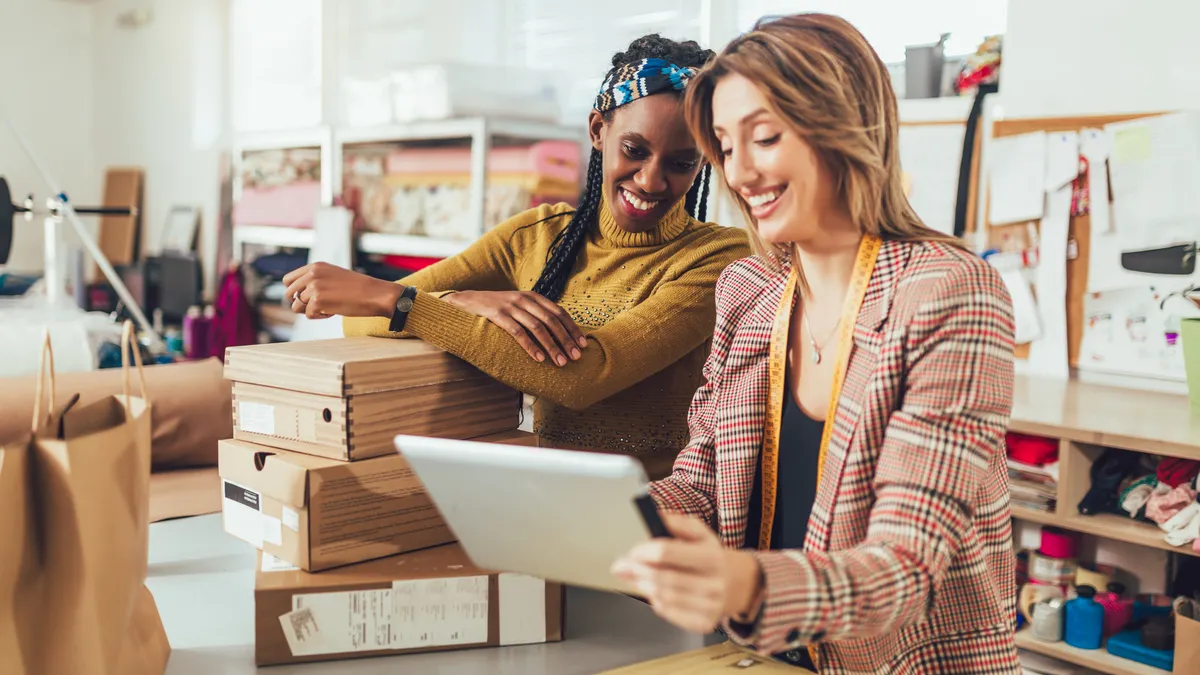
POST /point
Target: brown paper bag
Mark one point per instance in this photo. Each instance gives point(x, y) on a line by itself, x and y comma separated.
point(74, 518)
point(1187, 645)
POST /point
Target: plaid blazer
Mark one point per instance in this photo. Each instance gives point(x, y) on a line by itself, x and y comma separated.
point(908, 564)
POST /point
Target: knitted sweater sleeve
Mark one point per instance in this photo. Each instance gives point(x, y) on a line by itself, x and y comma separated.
point(676, 319)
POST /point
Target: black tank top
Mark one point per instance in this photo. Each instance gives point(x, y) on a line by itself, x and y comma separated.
point(799, 451)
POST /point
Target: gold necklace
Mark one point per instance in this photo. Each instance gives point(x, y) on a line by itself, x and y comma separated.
point(816, 350)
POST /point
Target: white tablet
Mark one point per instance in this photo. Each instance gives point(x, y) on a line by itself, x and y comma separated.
point(559, 515)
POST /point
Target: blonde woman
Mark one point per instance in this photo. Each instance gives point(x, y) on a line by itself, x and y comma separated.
point(847, 446)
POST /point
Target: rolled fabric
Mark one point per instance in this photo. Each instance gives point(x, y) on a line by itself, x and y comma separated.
point(191, 407)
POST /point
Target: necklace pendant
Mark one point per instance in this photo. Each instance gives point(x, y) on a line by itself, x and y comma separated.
point(816, 356)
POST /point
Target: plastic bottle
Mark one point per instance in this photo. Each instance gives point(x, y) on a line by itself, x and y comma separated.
point(190, 325)
point(1118, 610)
point(1048, 620)
point(1085, 620)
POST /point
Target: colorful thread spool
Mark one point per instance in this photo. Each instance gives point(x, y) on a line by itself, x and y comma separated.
point(1059, 543)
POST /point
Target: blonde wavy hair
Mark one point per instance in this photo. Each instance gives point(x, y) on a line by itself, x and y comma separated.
point(822, 79)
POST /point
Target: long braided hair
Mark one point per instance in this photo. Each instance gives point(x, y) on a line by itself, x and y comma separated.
point(566, 246)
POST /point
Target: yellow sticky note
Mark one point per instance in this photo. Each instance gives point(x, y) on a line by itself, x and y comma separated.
point(1132, 144)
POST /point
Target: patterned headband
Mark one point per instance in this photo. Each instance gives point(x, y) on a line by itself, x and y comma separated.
point(640, 79)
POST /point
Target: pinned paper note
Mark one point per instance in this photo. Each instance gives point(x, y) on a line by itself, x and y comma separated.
point(1131, 144)
point(1048, 355)
point(1017, 170)
point(1062, 159)
point(1025, 312)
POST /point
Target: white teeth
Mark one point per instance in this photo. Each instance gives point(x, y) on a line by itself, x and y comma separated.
point(639, 204)
point(762, 199)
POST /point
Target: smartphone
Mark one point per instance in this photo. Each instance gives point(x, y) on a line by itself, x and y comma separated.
point(650, 515)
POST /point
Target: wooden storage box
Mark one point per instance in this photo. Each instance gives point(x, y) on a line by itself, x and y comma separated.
point(347, 398)
point(318, 513)
point(429, 600)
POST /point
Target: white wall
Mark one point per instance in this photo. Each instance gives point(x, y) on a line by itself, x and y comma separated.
point(161, 103)
point(49, 98)
point(1075, 57)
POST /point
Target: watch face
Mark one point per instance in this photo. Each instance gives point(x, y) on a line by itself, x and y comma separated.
point(404, 304)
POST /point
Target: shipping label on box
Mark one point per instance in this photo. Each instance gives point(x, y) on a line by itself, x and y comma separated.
point(429, 599)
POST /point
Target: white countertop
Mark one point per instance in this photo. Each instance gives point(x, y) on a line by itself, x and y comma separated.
point(203, 582)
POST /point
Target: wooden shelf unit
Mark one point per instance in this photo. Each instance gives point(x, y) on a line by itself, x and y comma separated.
point(1096, 659)
point(1086, 419)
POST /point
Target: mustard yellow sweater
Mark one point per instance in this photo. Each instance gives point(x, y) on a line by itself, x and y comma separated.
point(645, 301)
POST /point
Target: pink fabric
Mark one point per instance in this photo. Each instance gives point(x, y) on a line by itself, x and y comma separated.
point(292, 205)
point(233, 323)
point(1163, 505)
point(552, 159)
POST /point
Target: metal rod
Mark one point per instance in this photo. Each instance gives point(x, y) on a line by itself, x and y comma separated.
point(68, 211)
point(86, 210)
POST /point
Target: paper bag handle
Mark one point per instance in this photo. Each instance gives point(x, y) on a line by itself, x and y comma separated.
point(45, 376)
point(128, 344)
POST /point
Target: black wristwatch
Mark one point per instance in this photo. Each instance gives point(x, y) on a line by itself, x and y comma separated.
point(404, 305)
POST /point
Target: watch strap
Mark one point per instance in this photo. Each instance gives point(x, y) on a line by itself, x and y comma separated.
point(404, 305)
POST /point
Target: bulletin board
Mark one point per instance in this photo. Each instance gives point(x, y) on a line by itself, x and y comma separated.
point(1079, 228)
point(930, 181)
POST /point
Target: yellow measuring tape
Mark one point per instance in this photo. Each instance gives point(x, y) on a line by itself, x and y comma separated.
point(864, 265)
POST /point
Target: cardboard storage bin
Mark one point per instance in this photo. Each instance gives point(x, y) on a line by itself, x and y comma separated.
point(318, 513)
point(429, 600)
point(347, 398)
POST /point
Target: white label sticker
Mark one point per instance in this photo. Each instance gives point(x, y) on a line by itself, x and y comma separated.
point(522, 609)
point(242, 513)
point(272, 564)
point(339, 623)
point(257, 418)
point(439, 612)
point(291, 519)
point(272, 530)
point(409, 615)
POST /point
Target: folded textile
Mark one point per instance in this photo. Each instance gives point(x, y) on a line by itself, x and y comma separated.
point(1175, 471)
point(1184, 527)
point(1137, 494)
point(1162, 506)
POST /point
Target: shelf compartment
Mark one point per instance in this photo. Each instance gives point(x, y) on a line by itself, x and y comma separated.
point(1096, 659)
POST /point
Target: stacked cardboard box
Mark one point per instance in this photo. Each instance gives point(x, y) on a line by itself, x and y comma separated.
point(428, 600)
point(312, 479)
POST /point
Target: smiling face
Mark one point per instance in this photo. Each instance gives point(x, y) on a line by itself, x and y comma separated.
point(650, 159)
point(789, 189)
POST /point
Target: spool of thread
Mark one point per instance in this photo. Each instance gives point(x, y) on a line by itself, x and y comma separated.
point(1048, 620)
point(1096, 576)
point(1059, 543)
point(1031, 594)
point(1052, 570)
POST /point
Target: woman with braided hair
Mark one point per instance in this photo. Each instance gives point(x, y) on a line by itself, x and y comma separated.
point(603, 312)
